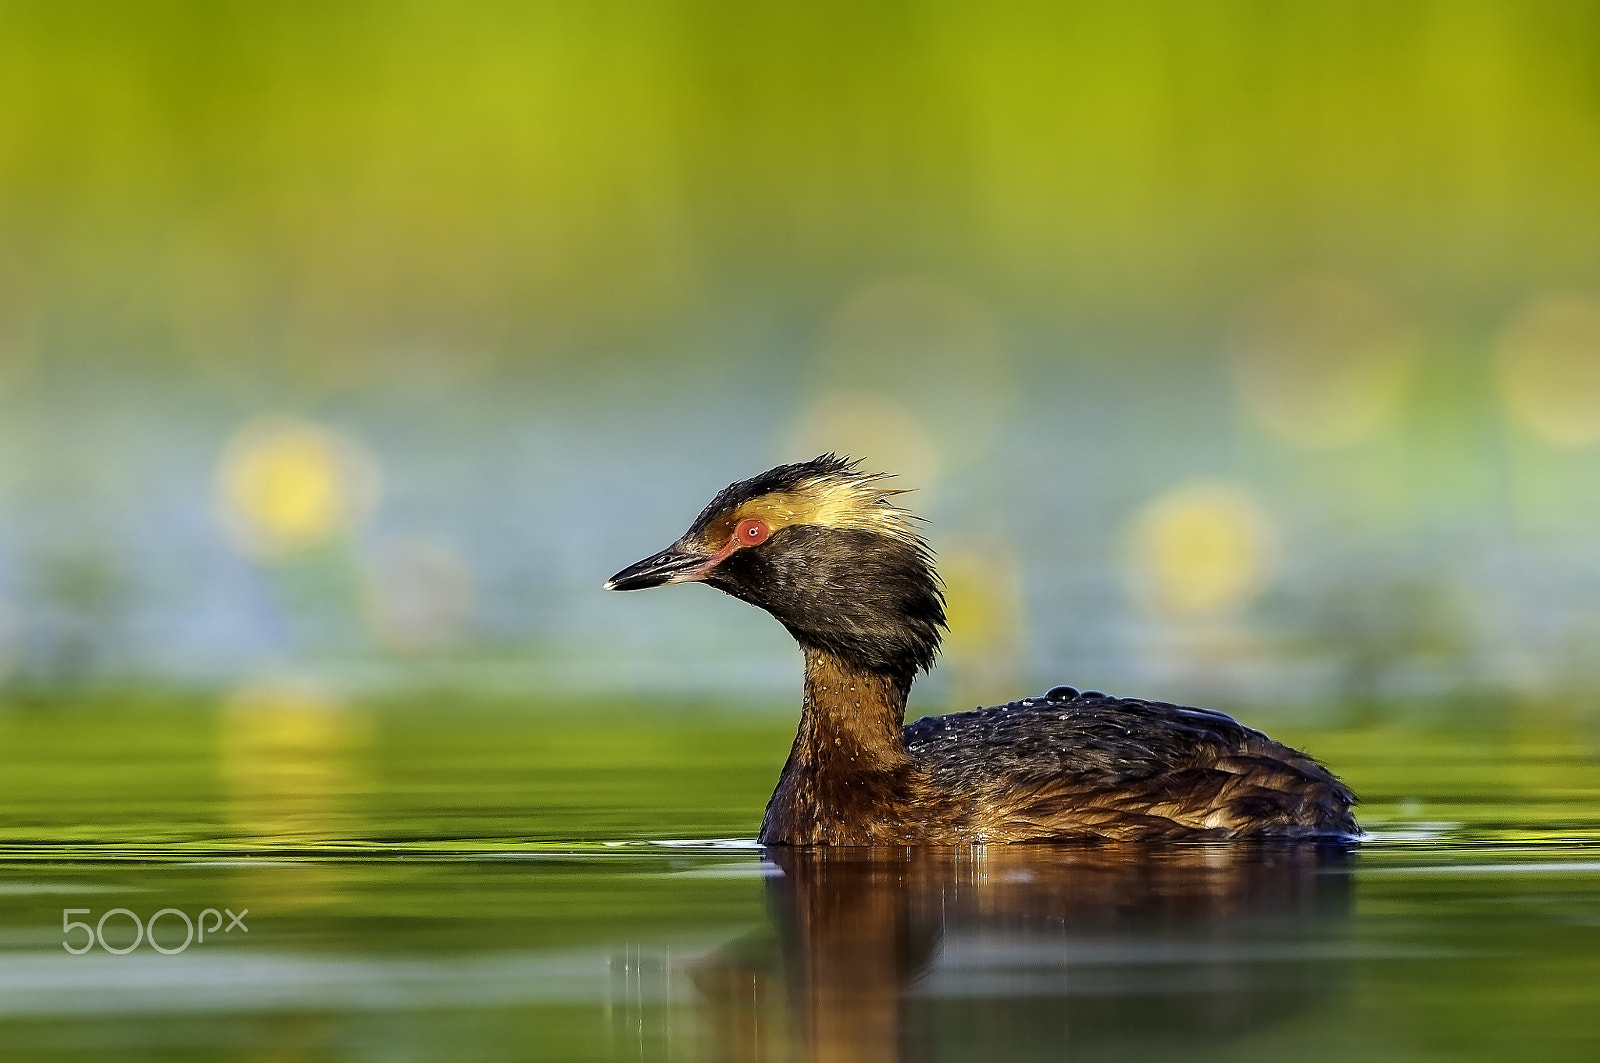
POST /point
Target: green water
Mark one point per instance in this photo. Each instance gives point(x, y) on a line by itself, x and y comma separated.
point(568, 882)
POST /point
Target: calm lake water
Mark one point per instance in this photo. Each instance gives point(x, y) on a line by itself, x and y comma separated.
point(575, 882)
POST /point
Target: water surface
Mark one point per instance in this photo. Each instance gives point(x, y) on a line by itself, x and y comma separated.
point(576, 882)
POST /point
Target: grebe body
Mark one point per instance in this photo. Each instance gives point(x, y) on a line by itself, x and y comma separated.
point(822, 547)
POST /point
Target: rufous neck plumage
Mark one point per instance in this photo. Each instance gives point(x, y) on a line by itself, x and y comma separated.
point(851, 718)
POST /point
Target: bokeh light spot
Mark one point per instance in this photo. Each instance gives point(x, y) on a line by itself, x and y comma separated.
point(1548, 369)
point(988, 624)
point(880, 431)
point(1320, 361)
point(285, 485)
point(286, 757)
point(1202, 548)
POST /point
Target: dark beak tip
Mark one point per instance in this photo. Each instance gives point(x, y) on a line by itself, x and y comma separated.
point(623, 581)
point(669, 566)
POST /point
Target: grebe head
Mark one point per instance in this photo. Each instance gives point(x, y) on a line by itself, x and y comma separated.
point(821, 547)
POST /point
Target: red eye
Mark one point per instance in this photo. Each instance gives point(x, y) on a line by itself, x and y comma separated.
point(752, 532)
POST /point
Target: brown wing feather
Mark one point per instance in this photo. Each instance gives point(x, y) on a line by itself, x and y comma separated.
point(1093, 766)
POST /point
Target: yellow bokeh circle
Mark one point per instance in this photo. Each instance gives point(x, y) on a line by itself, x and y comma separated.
point(285, 485)
point(885, 435)
point(1202, 548)
point(1320, 361)
point(1548, 369)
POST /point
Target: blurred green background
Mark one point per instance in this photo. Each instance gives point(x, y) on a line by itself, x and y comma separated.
point(1241, 353)
point(1244, 352)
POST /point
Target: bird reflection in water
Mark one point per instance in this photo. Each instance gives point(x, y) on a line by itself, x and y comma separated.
point(906, 954)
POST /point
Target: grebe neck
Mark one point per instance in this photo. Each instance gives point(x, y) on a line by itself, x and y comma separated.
point(851, 717)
